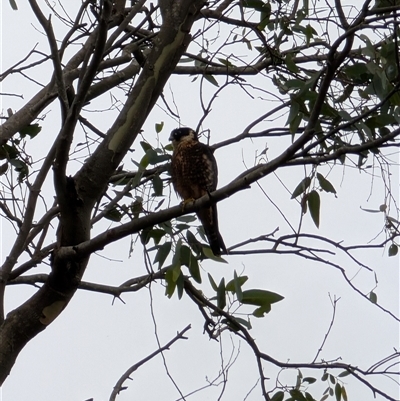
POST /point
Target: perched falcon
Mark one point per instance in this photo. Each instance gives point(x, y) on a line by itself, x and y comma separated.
point(194, 174)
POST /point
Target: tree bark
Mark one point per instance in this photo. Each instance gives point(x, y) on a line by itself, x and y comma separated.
point(80, 193)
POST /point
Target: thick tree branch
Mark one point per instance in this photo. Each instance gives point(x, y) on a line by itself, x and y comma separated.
point(132, 285)
point(170, 44)
point(83, 191)
point(287, 158)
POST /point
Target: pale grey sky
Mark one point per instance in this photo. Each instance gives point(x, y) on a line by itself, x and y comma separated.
point(84, 352)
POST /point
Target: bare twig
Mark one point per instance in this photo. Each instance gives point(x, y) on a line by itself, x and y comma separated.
point(334, 303)
point(119, 386)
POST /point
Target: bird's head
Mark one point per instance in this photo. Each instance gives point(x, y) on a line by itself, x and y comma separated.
point(179, 135)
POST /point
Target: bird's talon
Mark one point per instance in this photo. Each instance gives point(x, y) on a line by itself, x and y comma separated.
point(185, 202)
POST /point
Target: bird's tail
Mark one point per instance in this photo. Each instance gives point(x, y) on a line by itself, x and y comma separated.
point(209, 220)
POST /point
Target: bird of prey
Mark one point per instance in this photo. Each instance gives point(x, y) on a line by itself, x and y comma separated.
point(194, 174)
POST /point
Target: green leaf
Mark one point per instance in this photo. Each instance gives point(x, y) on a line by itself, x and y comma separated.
point(355, 70)
point(257, 5)
point(189, 260)
point(371, 210)
point(265, 15)
point(176, 260)
point(225, 62)
point(7, 151)
point(344, 394)
point(309, 397)
point(332, 379)
point(156, 234)
point(208, 253)
point(13, 5)
point(171, 283)
point(325, 184)
point(18, 164)
point(162, 253)
point(347, 91)
point(248, 43)
point(369, 50)
point(31, 130)
point(176, 271)
point(174, 278)
point(159, 127)
point(186, 219)
point(358, 73)
point(314, 202)
point(300, 15)
point(240, 280)
point(390, 218)
point(373, 297)
point(157, 185)
point(154, 158)
point(262, 310)
point(182, 227)
point(144, 162)
point(180, 285)
point(294, 125)
point(295, 83)
point(290, 64)
point(294, 111)
point(3, 153)
point(212, 282)
point(380, 121)
point(138, 176)
point(383, 131)
point(298, 379)
point(3, 168)
point(243, 322)
point(211, 79)
point(145, 146)
point(193, 242)
point(238, 286)
point(309, 32)
point(309, 84)
point(338, 392)
point(145, 235)
point(260, 297)
point(309, 380)
point(379, 86)
point(344, 373)
point(221, 294)
point(345, 115)
point(301, 188)
point(296, 395)
point(113, 214)
point(278, 396)
point(137, 207)
point(194, 268)
point(393, 250)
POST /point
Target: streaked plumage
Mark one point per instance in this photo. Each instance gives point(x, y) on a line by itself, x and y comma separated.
point(194, 174)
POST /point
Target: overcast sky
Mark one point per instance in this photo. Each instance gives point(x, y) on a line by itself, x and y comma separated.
point(84, 352)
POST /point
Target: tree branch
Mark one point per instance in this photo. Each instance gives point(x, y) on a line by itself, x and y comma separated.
point(119, 385)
